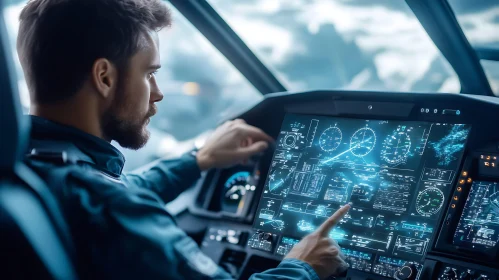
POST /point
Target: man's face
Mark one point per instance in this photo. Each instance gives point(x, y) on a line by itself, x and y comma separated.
point(133, 105)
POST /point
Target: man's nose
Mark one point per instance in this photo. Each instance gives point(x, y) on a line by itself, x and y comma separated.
point(156, 94)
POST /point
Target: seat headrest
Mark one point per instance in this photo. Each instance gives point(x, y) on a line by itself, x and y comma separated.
point(14, 127)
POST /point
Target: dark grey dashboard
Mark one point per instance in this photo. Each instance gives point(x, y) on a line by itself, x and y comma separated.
point(463, 210)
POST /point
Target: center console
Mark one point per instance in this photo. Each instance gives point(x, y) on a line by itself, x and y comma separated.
point(420, 172)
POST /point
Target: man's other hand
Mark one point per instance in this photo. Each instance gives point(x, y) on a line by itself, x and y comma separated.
point(232, 143)
point(321, 252)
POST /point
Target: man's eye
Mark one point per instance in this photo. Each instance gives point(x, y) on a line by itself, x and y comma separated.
point(150, 75)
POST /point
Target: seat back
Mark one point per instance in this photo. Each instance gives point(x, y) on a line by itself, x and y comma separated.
point(34, 240)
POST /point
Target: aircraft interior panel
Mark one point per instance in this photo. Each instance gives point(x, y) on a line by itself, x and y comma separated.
point(419, 170)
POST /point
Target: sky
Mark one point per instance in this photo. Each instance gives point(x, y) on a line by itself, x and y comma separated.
point(381, 39)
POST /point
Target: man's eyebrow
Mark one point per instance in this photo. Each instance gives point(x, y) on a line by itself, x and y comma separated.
point(154, 67)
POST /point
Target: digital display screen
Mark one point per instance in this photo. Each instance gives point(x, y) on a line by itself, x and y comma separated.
point(396, 174)
point(237, 185)
point(478, 227)
point(286, 245)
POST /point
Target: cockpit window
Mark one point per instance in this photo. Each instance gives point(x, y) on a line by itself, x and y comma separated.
point(479, 20)
point(358, 44)
point(492, 72)
point(200, 85)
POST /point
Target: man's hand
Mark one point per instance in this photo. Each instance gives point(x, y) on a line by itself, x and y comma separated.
point(232, 143)
point(320, 251)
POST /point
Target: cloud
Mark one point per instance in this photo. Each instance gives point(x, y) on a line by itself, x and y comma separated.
point(481, 27)
point(395, 40)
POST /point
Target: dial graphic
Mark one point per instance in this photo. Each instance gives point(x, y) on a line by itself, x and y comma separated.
point(362, 142)
point(235, 188)
point(396, 147)
point(290, 141)
point(429, 201)
point(330, 139)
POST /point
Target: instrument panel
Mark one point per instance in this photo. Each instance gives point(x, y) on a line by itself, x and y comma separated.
point(395, 174)
point(419, 170)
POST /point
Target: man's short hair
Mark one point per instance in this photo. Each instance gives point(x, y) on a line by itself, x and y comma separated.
point(59, 40)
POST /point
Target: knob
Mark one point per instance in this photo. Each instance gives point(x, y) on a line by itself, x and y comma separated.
point(407, 272)
point(450, 273)
point(465, 276)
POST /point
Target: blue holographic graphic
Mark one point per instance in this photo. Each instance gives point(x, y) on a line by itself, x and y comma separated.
point(452, 144)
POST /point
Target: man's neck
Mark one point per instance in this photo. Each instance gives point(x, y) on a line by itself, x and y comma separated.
point(75, 114)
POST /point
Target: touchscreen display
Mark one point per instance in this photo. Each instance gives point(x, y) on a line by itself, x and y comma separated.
point(396, 174)
point(478, 226)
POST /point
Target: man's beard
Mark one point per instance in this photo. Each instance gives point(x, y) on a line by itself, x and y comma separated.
point(129, 131)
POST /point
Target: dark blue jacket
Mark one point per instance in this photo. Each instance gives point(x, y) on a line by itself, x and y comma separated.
point(118, 222)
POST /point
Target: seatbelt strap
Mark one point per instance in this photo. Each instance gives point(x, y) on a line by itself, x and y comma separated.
point(37, 185)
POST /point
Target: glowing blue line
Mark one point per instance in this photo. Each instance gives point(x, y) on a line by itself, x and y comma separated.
point(354, 147)
point(277, 185)
point(337, 156)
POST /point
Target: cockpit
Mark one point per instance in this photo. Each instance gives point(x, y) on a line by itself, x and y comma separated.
point(390, 106)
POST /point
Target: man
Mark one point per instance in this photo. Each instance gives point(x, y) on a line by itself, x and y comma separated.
point(90, 66)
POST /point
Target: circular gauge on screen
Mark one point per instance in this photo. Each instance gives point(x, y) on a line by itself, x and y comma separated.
point(290, 141)
point(429, 201)
point(362, 142)
point(330, 139)
point(235, 188)
point(396, 147)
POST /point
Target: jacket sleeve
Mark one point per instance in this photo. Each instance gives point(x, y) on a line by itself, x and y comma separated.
point(127, 234)
point(168, 178)
point(288, 269)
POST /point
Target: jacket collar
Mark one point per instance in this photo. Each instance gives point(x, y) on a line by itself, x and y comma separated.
point(104, 155)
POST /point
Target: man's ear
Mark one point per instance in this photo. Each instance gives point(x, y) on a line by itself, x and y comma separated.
point(104, 77)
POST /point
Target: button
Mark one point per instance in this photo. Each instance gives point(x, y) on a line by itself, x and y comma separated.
point(488, 157)
point(407, 272)
point(486, 163)
point(453, 206)
point(459, 189)
point(465, 276)
point(450, 273)
point(469, 180)
point(422, 110)
point(435, 111)
point(465, 173)
point(451, 112)
point(427, 110)
point(462, 181)
point(455, 197)
point(233, 240)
